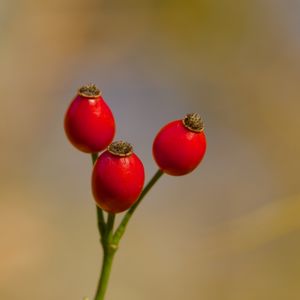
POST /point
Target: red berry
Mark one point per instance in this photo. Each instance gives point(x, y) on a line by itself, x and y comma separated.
point(89, 122)
point(118, 178)
point(180, 145)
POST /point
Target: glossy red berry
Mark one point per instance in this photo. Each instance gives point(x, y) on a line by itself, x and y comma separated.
point(180, 146)
point(89, 122)
point(118, 178)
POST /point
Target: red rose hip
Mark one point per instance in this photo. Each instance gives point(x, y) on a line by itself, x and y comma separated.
point(118, 178)
point(89, 122)
point(180, 146)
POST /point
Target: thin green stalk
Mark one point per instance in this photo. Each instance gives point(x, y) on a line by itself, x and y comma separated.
point(109, 228)
point(122, 227)
point(94, 157)
point(109, 251)
point(110, 240)
point(100, 215)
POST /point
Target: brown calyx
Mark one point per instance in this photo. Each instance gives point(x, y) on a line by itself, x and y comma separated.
point(89, 91)
point(120, 148)
point(193, 122)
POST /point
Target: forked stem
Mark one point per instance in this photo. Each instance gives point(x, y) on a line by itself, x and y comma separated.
point(109, 239)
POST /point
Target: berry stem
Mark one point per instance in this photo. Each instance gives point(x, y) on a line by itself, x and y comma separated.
point(109, 228)
point(94, 157)
point(109, 250)
point(110, 240)
point(122, 227)
point(100, 215)
point(105, 272)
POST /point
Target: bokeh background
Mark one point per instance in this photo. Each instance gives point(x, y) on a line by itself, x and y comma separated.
point(231, 229)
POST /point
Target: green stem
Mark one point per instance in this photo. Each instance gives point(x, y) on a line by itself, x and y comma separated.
point(100, 215)
point(109, 250)
point(109, 228)
point(94, 157)
point(110, 240)
point(122, 227)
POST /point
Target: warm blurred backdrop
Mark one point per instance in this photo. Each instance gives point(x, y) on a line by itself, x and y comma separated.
point(228, 231)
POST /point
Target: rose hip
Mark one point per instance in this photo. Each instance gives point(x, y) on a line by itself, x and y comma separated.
point(89, 122)
point(180, 146)
point(118, 178)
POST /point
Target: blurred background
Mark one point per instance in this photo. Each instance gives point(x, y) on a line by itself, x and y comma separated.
point(228, 231)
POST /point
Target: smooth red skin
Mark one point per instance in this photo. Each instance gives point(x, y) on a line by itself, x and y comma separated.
point(178, 150)
point(89, 124)
point(117, 181)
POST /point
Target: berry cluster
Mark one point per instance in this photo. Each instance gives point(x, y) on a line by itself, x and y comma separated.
point(118, 174)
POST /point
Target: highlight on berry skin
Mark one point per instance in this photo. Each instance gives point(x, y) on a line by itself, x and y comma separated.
point(180, 145)
point(89, 123)
point(118, 178)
